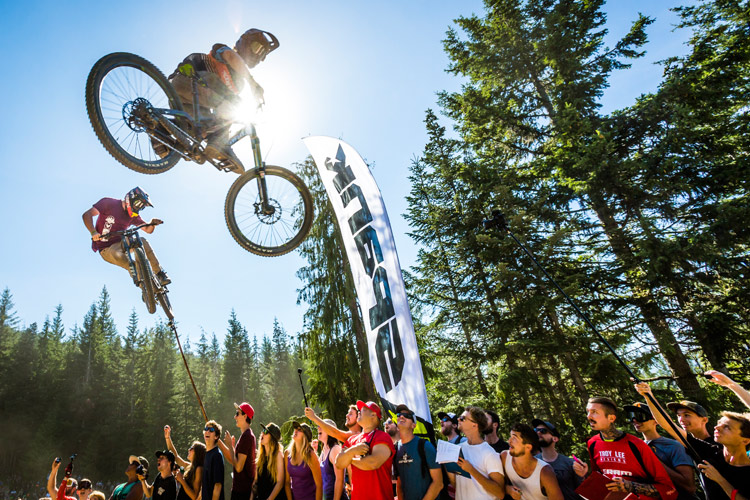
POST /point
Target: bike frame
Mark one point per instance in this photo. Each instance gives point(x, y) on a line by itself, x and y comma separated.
point(130, 239)
point(248, 130)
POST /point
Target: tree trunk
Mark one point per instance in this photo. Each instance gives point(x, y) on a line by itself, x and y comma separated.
point(644, 299)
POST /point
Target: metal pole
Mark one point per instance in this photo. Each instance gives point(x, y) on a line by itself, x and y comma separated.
point(174, 329)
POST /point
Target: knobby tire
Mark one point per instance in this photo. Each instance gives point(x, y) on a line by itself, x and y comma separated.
point(146, 279)
point(269, 239)
point(103, 106)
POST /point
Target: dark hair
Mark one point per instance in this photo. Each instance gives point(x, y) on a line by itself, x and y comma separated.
point(528, 435)
point(199, 455)
point(332, 441)
point(743, 419)
point(609, 405)
point(478, 415)
point(216, 426)
point(494, 419)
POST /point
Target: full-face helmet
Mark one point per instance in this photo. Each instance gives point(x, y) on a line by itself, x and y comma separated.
point(254, 45)
point(136, 200)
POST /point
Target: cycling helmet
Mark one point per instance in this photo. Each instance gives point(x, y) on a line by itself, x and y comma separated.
point(254, 45)
point(136, 200)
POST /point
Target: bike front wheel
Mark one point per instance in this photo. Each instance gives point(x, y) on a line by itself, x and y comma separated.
point(281, 225)
point(161, 294)
point(121, 89)
point(145, 279)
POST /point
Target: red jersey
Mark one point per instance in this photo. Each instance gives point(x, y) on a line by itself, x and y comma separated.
point(112, 217)
point(61, 491)
point(630, 458)
point(372, 484)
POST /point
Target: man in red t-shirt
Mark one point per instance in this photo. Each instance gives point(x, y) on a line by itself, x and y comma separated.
point(370, 453)
point(117, 215)
point(624, 458)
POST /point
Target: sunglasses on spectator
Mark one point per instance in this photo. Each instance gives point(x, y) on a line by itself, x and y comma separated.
point(410, 416)
point(462, 418)
point(639, 417)
point(238, 413)
point(135, 463)
point(446, 419)
point(541, 430)
point(264, 431)
point(209, 429)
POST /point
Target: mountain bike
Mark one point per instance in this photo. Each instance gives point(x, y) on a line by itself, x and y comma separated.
point(134, 109)
point(143, 276)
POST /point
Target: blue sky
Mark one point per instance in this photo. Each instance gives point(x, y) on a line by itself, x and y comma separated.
point(364, 72)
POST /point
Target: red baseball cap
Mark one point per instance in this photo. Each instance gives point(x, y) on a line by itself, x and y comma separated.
point(246, 409)
point(372, 406)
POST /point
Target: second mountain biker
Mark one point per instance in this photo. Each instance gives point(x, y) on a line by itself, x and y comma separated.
point(116, 215)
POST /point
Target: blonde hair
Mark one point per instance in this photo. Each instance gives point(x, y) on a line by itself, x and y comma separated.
point(97, 495)
point(305, 450)
point(268, 460)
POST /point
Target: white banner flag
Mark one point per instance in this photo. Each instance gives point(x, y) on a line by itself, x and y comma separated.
point(367, 235)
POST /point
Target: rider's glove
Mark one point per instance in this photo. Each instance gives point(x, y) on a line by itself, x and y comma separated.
point(186, 69)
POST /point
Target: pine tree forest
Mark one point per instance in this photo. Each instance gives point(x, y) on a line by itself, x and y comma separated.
point(640, 214)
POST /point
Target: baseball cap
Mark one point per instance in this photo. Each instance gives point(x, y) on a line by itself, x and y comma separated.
point(165, 453)
point(402, 408)
point(451, 416)
point(246, 409)
point(688, 405)
point(306, 430)
point(140, 460)
point(273, 430)
point(553, 430)
point(370, 406)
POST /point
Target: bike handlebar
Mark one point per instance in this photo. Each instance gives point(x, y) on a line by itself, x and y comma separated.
point(129, 230)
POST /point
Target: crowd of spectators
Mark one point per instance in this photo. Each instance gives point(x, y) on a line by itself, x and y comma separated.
point(379, 456)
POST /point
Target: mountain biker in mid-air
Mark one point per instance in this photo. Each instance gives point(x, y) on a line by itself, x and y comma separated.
point(222, 75)
point(116, 215)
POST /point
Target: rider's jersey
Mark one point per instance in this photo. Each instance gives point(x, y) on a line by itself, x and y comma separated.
point(213, 62)
point(112, 217)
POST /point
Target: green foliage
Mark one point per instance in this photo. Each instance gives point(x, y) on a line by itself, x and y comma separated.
point(105, 396)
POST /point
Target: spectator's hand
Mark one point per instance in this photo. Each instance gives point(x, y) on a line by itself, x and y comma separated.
point(360, 449)
point(156, 222)
point(710, 471)
point(513, 491)
point(465, 465)
point(96, 237)
point(580, 468)
point(178, 475)
point(167, 432)
point(643, 388)
point(228, 440)
point(310, 413)
point(55, 465)
point(619, 484)
point(719, 378)
point(314, 443)
point(141, 477)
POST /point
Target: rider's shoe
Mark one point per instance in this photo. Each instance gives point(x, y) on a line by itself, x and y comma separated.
point(160, 149)
point(163, 278)
point(217, 147)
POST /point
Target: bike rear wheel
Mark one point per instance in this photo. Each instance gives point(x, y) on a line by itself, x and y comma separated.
point(263, 233)
point(145, 279)
point(114, 84)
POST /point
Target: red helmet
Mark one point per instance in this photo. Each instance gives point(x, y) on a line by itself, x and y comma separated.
point(136, 200)
point(254, 45)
